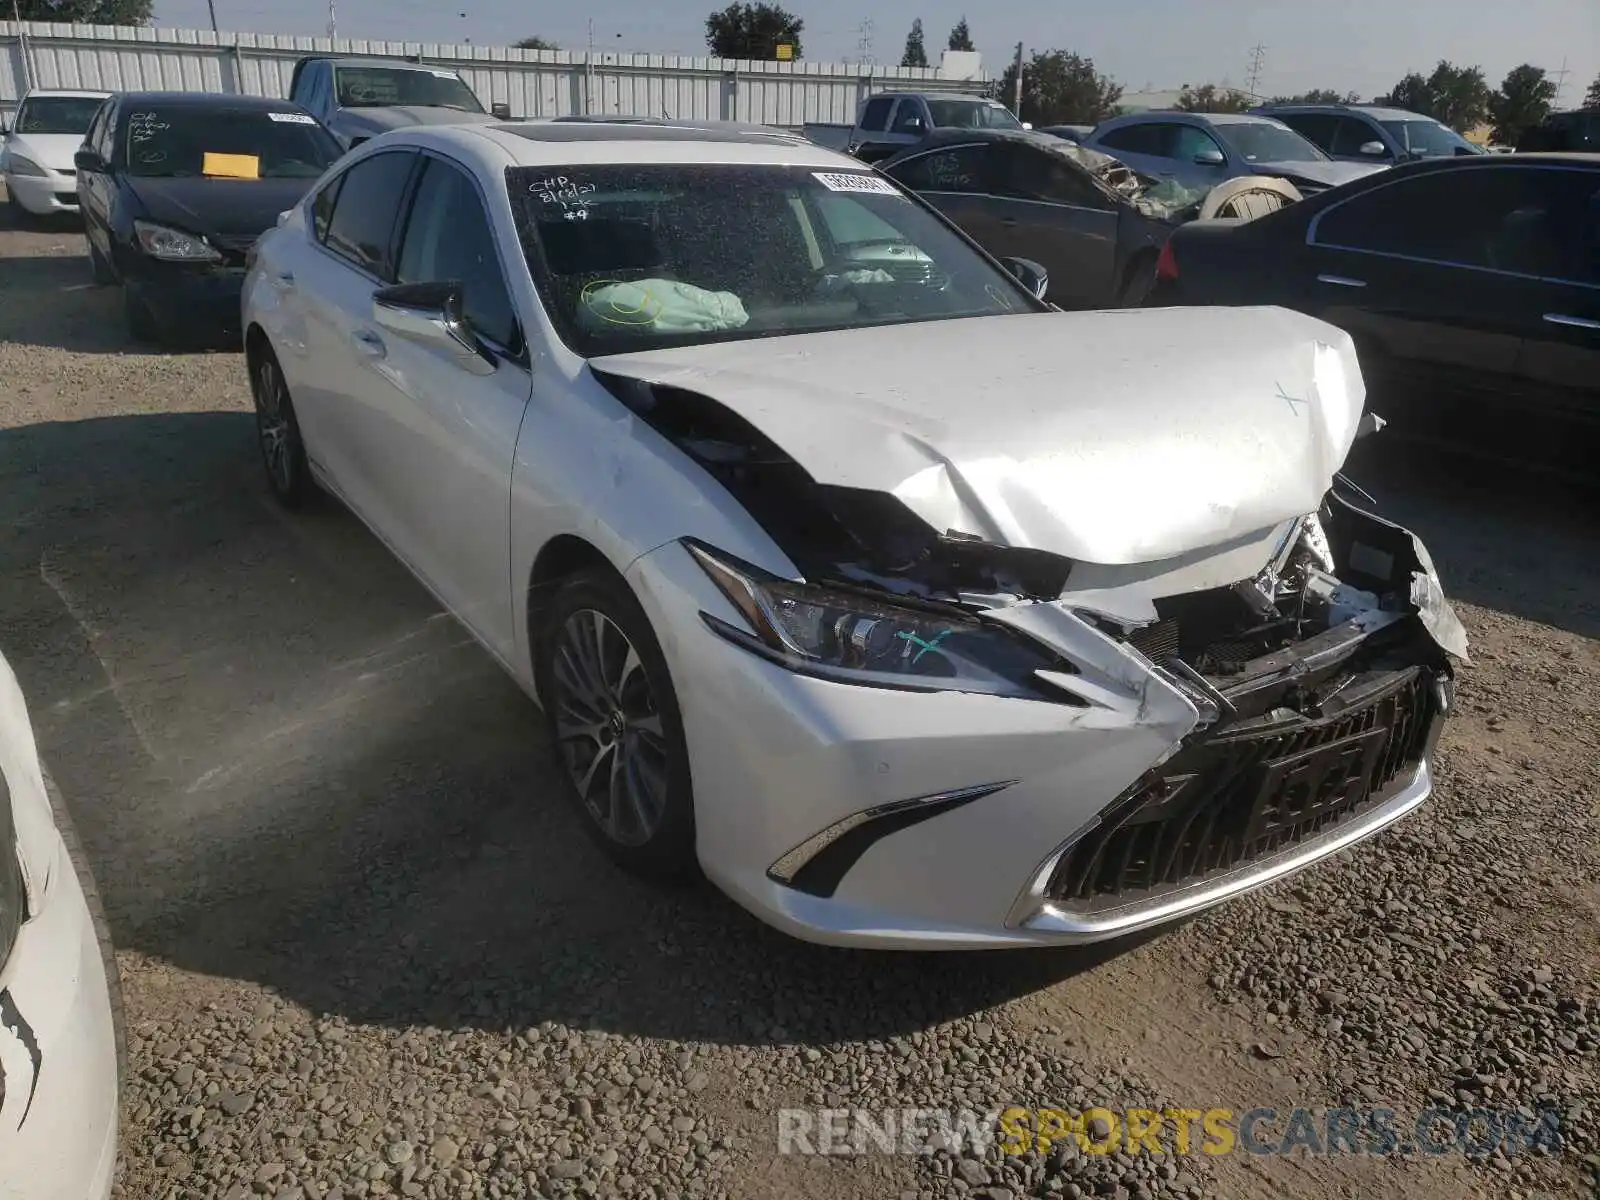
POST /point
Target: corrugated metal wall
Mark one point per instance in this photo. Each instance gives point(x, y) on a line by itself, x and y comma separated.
point(535, 83)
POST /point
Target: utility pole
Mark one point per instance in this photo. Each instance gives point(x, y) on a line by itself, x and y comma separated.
point(864, 42)
point(1561, 84)
point(1016, 100)
point(333, 22)
point(22, 42)
point(1258, 56)
point(211, 5)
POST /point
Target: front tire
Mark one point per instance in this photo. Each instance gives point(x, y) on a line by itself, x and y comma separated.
point(101, 269)
point(142, 325)
point(615, 726)
point(283, 451)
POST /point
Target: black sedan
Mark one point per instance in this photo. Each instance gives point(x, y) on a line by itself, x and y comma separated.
point(1471, 286)
point(176, 186)
point(1092, 223)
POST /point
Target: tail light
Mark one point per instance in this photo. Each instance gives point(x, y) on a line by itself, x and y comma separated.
point(1167, 264)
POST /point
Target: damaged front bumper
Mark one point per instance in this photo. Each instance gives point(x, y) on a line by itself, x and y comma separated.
point(1149, 783)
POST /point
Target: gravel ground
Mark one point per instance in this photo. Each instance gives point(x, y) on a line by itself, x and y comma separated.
point(367, 953)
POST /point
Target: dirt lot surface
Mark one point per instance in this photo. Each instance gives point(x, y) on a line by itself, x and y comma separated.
point(367, 951)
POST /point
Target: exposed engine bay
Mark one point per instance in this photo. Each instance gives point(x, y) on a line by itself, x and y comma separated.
point(1340, 572)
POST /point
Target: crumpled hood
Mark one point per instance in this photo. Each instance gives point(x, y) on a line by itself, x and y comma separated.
point(53, 151)
point(1108, 437)
point(230, 207)
point(1331, 174)
point(370, 122)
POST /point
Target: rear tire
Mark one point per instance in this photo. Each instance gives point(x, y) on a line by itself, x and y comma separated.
point(615, 727)
point(97, 918)
point(283, 450)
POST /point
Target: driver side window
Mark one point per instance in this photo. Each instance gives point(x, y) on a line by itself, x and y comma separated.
point(448, 237)
point(907, 118)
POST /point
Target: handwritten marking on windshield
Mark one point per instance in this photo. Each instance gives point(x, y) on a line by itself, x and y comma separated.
point(1292, 400)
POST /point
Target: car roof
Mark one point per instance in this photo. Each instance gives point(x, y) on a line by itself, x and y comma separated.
point(216, 101)
point(398, 64)
point(944, 137)
point(1173, 114)
point(674, 123)
point(64, 93)
point(1376, 111)
point(563, 143)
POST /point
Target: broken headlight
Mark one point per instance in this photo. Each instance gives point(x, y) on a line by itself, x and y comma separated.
point(858, 639)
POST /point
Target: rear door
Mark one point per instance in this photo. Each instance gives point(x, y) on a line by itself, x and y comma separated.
point(1054, 214)
point(348, 255)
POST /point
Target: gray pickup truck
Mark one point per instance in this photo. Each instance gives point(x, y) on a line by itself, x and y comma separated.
point(888, 123)
point(359, 98)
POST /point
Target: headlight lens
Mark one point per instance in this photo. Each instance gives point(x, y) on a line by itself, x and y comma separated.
point(17, 165)
point(174, 245)
point(857, 639)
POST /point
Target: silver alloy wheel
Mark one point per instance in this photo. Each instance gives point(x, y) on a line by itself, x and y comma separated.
point(608, 727)
point(272, 423)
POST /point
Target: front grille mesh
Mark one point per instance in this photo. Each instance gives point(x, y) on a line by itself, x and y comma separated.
point(1229, 800)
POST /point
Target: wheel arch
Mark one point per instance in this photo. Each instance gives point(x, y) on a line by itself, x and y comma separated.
point(559, 559)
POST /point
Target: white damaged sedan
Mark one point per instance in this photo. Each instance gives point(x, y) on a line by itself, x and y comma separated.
point(913, 612)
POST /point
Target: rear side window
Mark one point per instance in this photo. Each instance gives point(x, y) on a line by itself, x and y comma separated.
point(1135, 139)
point(368, 197)
point(876, 115)
point(1314, 127)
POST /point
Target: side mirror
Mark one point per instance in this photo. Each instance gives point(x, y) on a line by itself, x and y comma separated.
point(431, 315)
point(500, 110)
point(1210, 158)
point(1027, 124)
point(88, 160)
point(914, 124)
point(1373, 149)
point(1032, 276)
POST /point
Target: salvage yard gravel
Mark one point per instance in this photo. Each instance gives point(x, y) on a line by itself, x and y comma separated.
point(365, 953)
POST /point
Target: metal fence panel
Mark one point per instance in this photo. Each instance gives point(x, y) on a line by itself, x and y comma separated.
point(535, 83)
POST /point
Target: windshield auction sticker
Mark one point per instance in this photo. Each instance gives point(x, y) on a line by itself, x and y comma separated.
point(854, 181)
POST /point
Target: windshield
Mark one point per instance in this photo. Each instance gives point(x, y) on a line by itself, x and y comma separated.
point(971, 114)
point(57, 114)
point(229, 143)
point(1428, 139)
point(1262, 141)
point(387, 87)
point(643, 257)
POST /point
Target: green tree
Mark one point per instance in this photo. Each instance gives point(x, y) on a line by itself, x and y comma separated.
point(1318, 96)
point(752, 31)
point(1209, 98)
point(1523, 101)
point(1059, 88)
point(88, 12)
point(916, 54)
point(1456, 96)
point(1591, 98)
point(961, 36)
point(536, 43)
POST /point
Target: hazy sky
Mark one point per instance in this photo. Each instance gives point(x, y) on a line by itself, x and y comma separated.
point(1364, 45)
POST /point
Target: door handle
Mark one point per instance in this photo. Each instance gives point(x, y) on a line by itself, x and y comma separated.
point(1341, 281)
point(368, 343)
point(1008, 222)
point(1574, 322)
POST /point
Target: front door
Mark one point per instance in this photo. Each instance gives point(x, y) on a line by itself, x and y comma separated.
point(1056, 216)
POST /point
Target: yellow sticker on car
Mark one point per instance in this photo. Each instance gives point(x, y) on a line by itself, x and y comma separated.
point(231, 166)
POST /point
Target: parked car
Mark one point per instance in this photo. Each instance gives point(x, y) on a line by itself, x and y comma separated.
point(1469, 284)
point(1570, 131)
point(36, 149)
point(1366, 133)
point(61, 1036)
point(894, 120)
point(1203, 149)
point(1030, 195)
point(1068, 133)
point(175, 187)
point(358, 98)
point(842, 576)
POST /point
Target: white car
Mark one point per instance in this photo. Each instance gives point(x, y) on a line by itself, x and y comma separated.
point(60, 1008)
point(37, 148)
point(913, 612)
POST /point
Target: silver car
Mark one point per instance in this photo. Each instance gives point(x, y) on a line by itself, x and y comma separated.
point(1203, 149)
